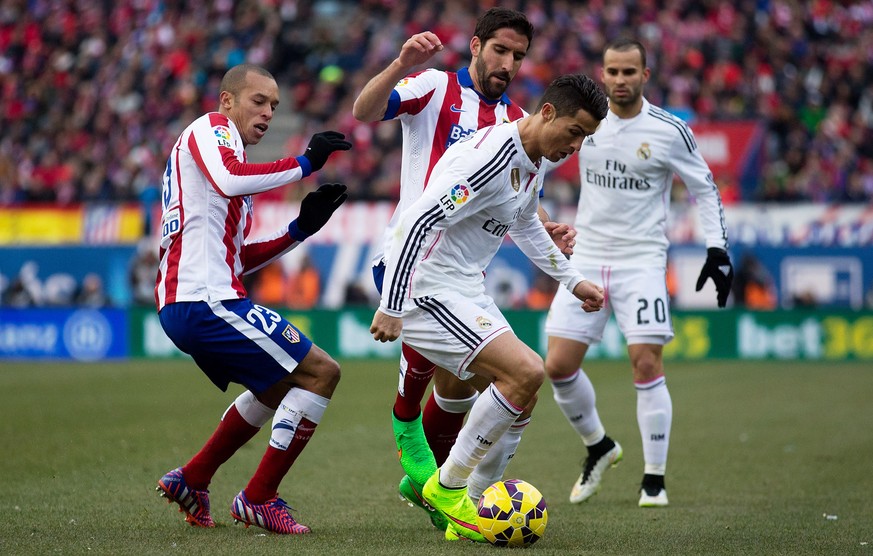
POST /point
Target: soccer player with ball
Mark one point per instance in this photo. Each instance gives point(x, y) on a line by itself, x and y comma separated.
point(436, 109)
point(482, 188)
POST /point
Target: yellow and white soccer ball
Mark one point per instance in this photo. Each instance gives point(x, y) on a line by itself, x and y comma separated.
point(512, 513)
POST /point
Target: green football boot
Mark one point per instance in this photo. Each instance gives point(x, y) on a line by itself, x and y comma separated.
point(416, 456)
point(456, 506)
point(411, 493)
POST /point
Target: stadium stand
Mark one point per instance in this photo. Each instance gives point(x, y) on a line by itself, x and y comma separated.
point(93, 93)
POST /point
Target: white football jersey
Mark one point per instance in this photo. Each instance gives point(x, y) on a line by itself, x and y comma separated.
point(207, 213)
point(481, 188)
point(437, 108)
point(626, 170)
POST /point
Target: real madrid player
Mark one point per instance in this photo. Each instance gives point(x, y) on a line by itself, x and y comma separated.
point(481, 189)
point(435, 109)
point(627, 170)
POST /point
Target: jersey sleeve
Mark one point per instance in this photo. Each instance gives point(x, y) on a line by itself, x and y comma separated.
point(260, 252)
point(214, 149)
point(690, 166)
point(413, 93)
point(448, 198)
point(537, 245)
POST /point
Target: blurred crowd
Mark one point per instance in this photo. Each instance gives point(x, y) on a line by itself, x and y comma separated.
point(92, 94)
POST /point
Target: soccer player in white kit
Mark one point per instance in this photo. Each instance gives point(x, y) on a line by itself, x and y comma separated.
point(436, 109)
point(483, 187)
point(627, 169)
point(205, 310)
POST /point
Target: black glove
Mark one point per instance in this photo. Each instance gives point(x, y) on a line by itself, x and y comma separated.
point(318, 206)
point(322, 144)
point(718, 267)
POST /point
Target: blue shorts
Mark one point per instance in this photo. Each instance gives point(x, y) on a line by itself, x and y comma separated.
point(236, 341)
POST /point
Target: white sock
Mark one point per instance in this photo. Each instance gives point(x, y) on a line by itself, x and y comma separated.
point(655, 417)
point(491, 468)
point(454, 406)
point(490, 418)
point(251, 410)
point(296, 405)
point(575, 396)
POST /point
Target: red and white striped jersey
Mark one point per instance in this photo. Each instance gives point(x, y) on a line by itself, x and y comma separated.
point(436, 109)
point(207, 213)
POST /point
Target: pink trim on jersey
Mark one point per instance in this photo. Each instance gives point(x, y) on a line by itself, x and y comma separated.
point(487, 133)
point(605, 275)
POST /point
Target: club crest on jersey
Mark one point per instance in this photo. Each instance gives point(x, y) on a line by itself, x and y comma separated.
point(222, 135)
point(515, 179)
point(644, 152)
point(484, 323)
point(290, 334)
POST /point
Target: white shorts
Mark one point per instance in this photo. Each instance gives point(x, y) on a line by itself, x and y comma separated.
point(637, 296)
point(450, 329)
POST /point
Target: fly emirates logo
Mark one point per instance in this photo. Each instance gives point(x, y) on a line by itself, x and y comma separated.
point(615, 176)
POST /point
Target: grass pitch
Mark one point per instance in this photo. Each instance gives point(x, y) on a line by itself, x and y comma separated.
point(765, 458)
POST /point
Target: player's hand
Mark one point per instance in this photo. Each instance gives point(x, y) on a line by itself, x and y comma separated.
point(419, 48)
point(385, 328)
point(590, 294)
point(322, 144)
point(563, 235)
point(319, 205)
point(718, 267)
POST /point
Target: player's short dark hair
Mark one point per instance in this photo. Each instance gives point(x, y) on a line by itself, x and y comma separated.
point(570, 93)
point(624, 44)
point(235, 78)
point(496, 19)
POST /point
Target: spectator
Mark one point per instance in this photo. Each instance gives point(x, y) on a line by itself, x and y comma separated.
point(143, 271)
point(754, 287)
point(802, 70)
point(303, 287)
point(91, 293)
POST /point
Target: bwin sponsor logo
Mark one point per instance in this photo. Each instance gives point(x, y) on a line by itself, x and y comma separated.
point(456, 133)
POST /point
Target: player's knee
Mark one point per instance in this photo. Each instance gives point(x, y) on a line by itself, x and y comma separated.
point(647, 368)
point(531, 372)
point(330, 373)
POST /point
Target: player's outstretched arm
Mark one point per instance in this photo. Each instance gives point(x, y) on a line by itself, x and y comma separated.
point(371, 104)
point(385, 328)
point(590, 294)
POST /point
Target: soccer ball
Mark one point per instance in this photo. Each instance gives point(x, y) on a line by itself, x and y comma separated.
point(512, 513)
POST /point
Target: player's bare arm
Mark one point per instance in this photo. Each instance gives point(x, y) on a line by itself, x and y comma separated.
point(590, 294)
point(385, 328)
point(371, 104)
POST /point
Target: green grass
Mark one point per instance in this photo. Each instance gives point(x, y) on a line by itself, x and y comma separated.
point(760, 454)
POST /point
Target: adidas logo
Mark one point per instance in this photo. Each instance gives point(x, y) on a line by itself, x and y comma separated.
point(589, 141)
